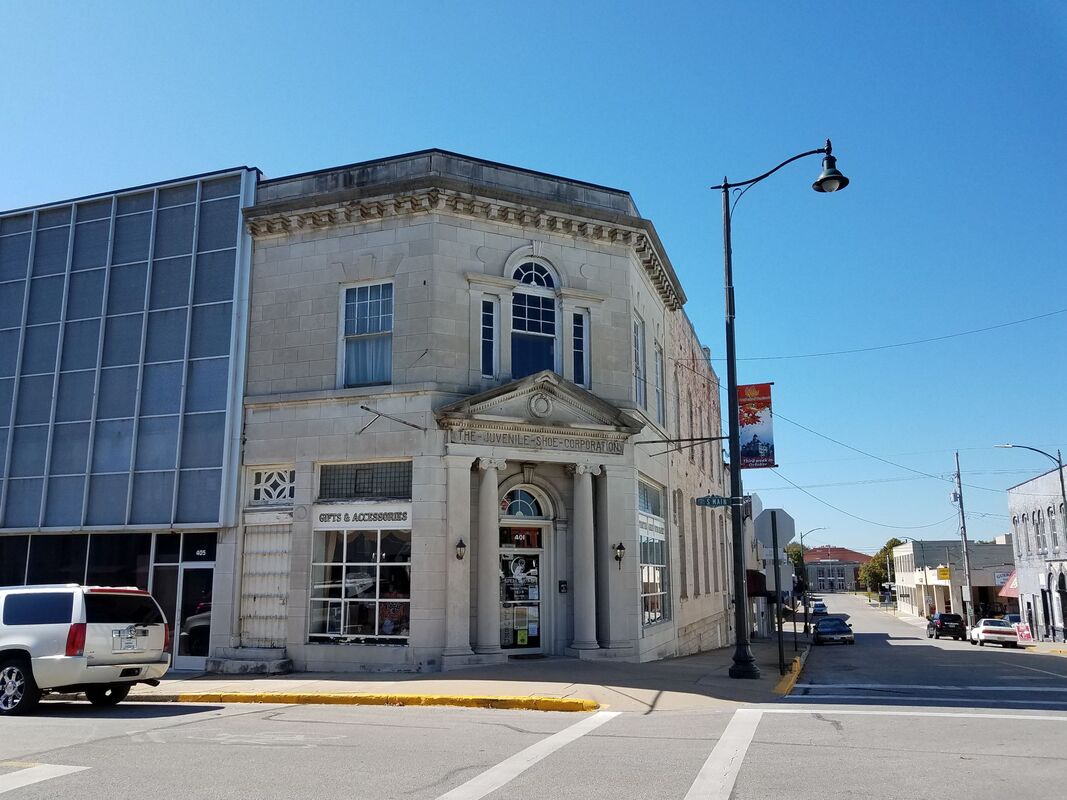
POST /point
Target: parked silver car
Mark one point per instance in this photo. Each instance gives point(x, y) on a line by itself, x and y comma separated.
point(71, 638)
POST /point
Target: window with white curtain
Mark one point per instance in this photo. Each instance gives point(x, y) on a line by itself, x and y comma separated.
point(368, 334)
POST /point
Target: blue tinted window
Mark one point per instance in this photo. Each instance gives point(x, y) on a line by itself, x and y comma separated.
point(35, 400)
point(23, 509)
point(46, 299)
point(85, 294)
point(218, 224)
point(50, 251)
point(75, 396)
point(11, 296)
point(112, 443)
point(157, 443)
point(214, 276)
point(125, 292)
point(107, 499)
point(211, 331)
point(198, 495)
point(203, 436)
point(174, 231)
point(153, 495)
point(131, 238)
point(170, 283)
point(161, 388)
point(14, 257)
point(118, 391)
point(63, 505)
point(90, 245)
point(166, 335)
point(122, 340)
point(9, 352)
point(28, 447)
point(207, 385)
point(80, 344)
point(70, 445)
point(39, 349)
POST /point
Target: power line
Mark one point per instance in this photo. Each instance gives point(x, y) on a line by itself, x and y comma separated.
point(862, 520)
point(901, 344)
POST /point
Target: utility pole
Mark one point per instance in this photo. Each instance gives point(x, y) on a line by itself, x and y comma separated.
point(968, 598)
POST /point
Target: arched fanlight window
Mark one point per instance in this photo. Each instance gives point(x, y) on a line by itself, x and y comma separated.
point(534, 274)
point(520, 503)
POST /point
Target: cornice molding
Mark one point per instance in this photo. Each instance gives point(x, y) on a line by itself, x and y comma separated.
point(265, 222)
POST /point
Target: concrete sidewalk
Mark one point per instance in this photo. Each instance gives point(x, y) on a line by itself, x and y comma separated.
point(682, 684)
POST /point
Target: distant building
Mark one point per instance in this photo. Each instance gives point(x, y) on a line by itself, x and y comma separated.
point(833, 569)
point(929, 576)
point(1036, 509)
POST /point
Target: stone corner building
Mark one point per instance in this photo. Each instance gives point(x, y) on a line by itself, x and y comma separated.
point(457, 379)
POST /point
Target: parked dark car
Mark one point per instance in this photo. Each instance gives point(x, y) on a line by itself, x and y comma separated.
point(943, 624)
point(833, 629)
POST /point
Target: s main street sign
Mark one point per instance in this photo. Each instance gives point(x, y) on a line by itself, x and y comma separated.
point(714, 501)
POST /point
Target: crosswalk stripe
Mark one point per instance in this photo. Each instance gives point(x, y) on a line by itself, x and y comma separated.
point(716, 778)
point(32, 775)
point(510, 768)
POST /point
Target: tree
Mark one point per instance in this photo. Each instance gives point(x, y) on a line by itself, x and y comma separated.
point(796, 556)
point(873, 574)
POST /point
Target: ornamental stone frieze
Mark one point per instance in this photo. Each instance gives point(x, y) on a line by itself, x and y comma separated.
point(266, 223)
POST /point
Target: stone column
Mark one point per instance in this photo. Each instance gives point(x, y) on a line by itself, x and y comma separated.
point(584, 555)
point(457, 572)
point(488, 636)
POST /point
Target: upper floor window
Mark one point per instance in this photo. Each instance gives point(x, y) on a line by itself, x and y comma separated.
point(692, 429)
point(640, 394)
point(520, 503)
point(1015, 535)
point(1052, 526)
point(661, 400)
point(533, 321)
point(1025, 520)
point(368, 334)
point(379, 480)
point(580, 336)
point(490, 352)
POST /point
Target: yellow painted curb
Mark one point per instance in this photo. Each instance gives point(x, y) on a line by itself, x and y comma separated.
point(463, 701)
point(788, 681)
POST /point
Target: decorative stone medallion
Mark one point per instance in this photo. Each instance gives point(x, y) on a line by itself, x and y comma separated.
point(540, 405)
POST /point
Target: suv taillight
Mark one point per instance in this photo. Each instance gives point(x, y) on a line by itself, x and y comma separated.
point(76, 639)
point(166, 638)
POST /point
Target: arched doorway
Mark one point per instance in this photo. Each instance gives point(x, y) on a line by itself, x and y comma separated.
point(525, 570)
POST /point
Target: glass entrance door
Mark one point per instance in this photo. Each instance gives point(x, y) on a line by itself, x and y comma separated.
point(520, 595)
point(193, 631)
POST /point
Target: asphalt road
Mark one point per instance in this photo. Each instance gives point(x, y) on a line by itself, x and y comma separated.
point(844, 739)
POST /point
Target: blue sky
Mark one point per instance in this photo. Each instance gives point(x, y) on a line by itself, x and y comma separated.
point(948, 118)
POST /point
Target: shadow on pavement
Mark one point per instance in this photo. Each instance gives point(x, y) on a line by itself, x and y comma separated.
point(67, 709)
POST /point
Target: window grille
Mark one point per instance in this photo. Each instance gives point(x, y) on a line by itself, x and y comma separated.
point(273, 486)
point(534, 274)
point(389, 480)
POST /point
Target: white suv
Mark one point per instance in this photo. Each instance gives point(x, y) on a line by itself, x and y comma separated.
point(71, 638)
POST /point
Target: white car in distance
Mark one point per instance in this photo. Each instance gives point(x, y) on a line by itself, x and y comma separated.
point(996, 631)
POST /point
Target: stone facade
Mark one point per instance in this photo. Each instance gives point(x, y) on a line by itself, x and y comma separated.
point(449, 235)
point(1037, 517)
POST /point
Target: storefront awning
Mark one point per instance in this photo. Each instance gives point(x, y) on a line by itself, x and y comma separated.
point(1011, 587)
point(756, 583)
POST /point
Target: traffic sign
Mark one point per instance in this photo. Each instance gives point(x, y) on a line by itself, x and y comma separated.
point(713, 500)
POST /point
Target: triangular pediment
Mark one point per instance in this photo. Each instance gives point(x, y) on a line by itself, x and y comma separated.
point(542, 400)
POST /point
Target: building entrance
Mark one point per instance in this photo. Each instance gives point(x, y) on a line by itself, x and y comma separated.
point(520, 592)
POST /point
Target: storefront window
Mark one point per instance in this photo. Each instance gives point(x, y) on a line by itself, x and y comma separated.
point(652, 531)
point(361, 586)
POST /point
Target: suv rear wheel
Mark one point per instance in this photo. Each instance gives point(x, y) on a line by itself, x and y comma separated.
point(18, 690)
point(110, 694)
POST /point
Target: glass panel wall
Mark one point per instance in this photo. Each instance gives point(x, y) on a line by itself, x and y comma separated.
point(116, 323)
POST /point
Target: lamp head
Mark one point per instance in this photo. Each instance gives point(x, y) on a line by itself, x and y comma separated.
point(461, 549)
point(1003, 445)
point(830, 180)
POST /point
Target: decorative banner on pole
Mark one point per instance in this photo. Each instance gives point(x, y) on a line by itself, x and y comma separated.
point(757, 433)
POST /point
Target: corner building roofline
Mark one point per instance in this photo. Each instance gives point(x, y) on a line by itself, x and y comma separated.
point(437, 181)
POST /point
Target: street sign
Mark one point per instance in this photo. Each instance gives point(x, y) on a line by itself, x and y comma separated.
point(713, 501)
point(943, 574)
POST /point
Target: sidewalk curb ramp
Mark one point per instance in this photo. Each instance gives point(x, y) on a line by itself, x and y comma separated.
point(353, 699)
point(788, 681)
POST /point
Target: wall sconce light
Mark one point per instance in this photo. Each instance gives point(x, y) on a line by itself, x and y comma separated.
point(461, 549)
point(620, 551)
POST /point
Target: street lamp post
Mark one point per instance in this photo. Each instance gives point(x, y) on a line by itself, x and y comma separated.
point(1058, 461)
point(830, 180)
point(805, 563)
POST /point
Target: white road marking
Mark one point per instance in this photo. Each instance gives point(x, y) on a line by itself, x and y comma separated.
point(716, 778)
point(865, 713)
point(881, 686)
point(866, 698)
point(510, 768)
point(32, 775)
point(1035, 669)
